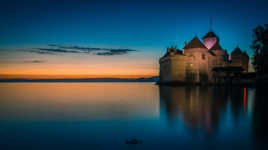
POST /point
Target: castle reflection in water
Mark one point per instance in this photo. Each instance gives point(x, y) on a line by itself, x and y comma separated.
point(204, 107)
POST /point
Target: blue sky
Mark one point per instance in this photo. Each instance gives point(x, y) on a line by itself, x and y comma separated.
point(146, 26)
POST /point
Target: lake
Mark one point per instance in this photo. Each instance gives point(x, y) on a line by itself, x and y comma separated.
point(100, 116)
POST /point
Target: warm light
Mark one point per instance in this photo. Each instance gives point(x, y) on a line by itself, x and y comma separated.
point(245, 99)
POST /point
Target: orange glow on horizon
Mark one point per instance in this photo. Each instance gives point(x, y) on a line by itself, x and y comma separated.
point(17, 65)
point(84, 70)
point(30, 76)
point(69, 71)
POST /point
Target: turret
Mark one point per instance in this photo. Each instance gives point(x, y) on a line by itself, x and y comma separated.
point(239, 59)
point(172, 50)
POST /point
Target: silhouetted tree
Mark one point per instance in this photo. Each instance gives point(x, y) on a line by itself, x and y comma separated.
point(260, 47)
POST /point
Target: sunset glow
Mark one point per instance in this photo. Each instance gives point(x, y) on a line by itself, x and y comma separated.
point(18, 63)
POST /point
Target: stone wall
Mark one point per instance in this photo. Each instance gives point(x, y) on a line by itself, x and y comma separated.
point(178, 68)
point(172, 69)
point(165, 70)
point(197, 65)
point(219, 59)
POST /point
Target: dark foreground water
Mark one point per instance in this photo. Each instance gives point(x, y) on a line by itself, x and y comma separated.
point(103, 116)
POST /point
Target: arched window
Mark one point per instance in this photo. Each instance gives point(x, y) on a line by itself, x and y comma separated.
point(203, 56)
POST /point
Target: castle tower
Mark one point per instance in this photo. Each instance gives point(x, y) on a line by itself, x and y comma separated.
point(210, 39)
point(239, 59)
point(196, 67)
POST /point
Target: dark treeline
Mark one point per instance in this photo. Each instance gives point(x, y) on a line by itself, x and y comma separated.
point(260, 48)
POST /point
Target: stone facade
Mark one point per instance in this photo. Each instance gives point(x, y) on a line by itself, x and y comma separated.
point(194, 63)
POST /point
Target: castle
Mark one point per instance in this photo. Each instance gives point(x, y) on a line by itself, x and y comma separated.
point(201, 62)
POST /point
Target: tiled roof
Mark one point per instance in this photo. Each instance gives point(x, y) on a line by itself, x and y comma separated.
point(210, 34)
point(194, 43)
point(213, 54)
point(236, 51)
point(216, 47)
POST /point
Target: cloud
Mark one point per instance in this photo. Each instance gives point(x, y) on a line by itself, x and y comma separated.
point(40, 51)
point(86, 49)
point(57, 50)
point(60, 49)
point(34, 61)
point(114, 52)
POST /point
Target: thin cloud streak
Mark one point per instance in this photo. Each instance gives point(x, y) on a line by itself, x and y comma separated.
point(34, 61)
point(61, 49)
point(114, 52)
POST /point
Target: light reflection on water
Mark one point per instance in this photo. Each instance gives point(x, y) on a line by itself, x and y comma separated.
point(77, 101)
point(104, 115)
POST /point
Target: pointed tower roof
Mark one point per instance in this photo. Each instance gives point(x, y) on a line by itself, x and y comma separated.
point(194, 43)
point(210, 34)
point(210, 39)
point(236, 51)
point(216, 47)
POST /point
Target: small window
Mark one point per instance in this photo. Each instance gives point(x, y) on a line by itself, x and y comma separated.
point(203, 56)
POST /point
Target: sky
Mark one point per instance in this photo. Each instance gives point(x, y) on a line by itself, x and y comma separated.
point(122, 38)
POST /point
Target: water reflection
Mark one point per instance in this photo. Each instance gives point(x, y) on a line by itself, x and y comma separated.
point(210, 108)
point(91, 114)
point(196, 106)
point(77, 101)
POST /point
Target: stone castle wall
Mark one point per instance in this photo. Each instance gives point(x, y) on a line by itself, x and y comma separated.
point(172, 69)
point(165, 70)
point(195, 63)
point(195, 66)
point(178, 63)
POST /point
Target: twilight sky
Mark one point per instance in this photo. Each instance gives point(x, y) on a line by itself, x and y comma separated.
point(114, 38)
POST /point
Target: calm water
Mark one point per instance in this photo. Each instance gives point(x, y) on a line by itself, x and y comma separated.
point(104, 115)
